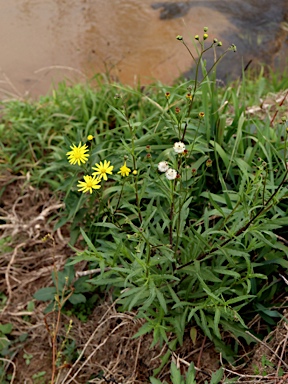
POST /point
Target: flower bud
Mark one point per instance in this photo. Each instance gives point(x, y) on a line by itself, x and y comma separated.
point(219, 44)
point(205, 29)
point(205, 36)
point(179, 37)
point(196, 37)
point(209, 163)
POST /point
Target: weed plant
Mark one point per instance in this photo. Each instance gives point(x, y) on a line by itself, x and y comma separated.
point(179, 195)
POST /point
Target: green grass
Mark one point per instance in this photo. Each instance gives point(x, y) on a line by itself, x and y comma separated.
point(201, 250)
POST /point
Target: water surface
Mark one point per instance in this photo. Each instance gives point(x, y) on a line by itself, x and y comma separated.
point(44, 41)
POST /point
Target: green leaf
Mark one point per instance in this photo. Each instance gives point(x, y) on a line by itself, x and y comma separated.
point(161, 299)
point(227, 272)
point(154, 381)
point(6, 328)
point(237, 330)
point(190, 375)
point(146, 328)
point(217, 376)
point(240, 298)
point(204, 325)
point(193, 335)
point(216, 322)
point(88, 241)
point(175, 374)
point(45, 294)
point(77, 298)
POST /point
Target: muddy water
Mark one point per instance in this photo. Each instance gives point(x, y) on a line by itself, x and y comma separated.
point(45, 41)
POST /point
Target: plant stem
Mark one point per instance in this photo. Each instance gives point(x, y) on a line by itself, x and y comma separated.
point(171, 213)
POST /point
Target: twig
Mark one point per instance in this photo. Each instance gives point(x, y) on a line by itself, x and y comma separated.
point(137, 356)
point(101, 323)
point(61, 67)
point(93, 271)
point(14, 368)
point(277, 110)
point(178, 358)
point(7, 274)
point(280, 238)
point(201, 353)
point(272, 375)
point(92, 353)
point(283, 350)
point(268, 347)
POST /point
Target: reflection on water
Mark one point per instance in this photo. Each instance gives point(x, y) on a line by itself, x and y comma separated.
point(260, 33)
point(44, 41)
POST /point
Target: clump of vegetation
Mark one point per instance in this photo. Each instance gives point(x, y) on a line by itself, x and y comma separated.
point(178, 194)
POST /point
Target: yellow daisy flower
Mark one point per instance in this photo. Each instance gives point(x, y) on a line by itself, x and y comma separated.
point(78, 154)
point(102, 170)
point(124, 170)
point(89, 184)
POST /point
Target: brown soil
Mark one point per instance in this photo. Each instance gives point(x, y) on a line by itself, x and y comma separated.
point(107, 351)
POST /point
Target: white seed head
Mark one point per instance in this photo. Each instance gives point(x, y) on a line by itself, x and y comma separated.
point(171, 174)
point(163, 166)
point(179, 147)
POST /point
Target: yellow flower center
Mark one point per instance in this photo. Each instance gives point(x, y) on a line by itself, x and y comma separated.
point(78, 153)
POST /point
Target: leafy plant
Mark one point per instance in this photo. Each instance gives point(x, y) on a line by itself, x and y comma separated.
point(182, 209)
point(66, 289)
point(190, 376)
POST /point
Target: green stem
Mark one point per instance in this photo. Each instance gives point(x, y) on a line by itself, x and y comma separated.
point(118, 202)
point(195, 87)
point(171, 213)
point(134, 165)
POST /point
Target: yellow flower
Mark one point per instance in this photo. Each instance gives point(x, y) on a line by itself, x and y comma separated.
point(90, 137)
point(124, 170)
point(78, 154)
point(103, 169)
point(89, 184)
